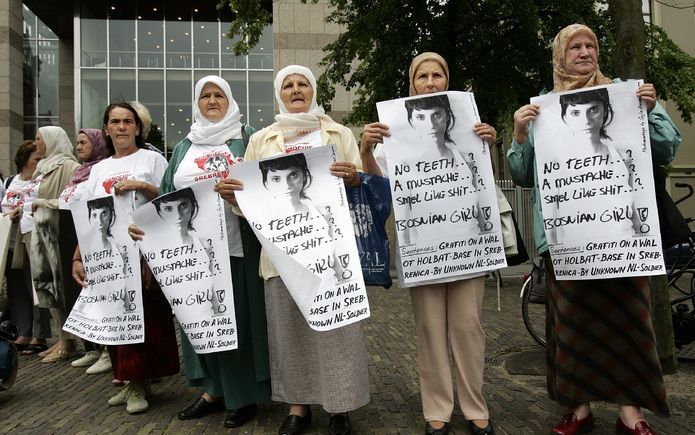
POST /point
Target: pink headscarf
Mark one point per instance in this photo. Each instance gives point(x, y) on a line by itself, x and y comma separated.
point(98, 154)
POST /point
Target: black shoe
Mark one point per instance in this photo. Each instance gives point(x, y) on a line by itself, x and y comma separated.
point(200, 408)
point(339, 424)
point(294, 424)
point(429, 430)
point(475, 430)
point(239, 417)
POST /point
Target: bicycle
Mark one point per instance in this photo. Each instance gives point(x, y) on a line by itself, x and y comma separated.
point(533, 301)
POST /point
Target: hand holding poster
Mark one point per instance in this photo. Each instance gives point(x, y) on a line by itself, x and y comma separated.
point(447, 219)
point(593, 162)
point(299, 212)
point(187, 252)
point(109, 310)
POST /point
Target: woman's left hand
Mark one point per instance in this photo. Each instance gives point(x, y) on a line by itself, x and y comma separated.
point(486, 132)
point(226, 188)
point(347, 171)
point(124, 186)
point(647, 92)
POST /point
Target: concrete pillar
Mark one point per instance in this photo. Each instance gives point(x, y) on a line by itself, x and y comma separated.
point(11, 83)
point(66, 88)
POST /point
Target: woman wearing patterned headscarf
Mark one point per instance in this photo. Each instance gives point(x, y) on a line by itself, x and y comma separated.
point(447, 314)
point(90, 149)
point(328, 368)
point(601, 343)
point(52, 174)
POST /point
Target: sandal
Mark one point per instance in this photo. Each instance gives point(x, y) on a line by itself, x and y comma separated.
point(48, 350)
point(57, 355)
point(34, 348)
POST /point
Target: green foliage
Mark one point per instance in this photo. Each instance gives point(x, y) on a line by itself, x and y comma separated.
point(250, 18)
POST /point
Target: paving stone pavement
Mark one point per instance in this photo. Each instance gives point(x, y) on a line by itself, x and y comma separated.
point(56, 398)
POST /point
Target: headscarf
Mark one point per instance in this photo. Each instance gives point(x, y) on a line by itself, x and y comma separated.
point(292, 124)
point(423, 57)
point(58, 149)
point(99, 153)
point(563, 80)
point(206, 132)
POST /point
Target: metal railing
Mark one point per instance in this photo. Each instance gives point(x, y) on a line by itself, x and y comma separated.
point(520, 200)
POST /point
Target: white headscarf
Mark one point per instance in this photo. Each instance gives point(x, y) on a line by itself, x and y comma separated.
point(206, 132)
point(58, 149)
point(298, 122)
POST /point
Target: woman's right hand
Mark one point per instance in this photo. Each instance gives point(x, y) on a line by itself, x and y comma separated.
point(14, 214)
point(227, 188)
point(135, 232)
point(78, 273)
point(522, 117)
point(373, 134)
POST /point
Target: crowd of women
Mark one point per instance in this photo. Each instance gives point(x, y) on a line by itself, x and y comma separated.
point(279, 357)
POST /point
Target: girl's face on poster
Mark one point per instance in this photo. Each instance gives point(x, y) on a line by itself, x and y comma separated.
point(580, 57)
point(296, 93)
point(122, 128)
point(83, 148)
point(432, 121)
point(40, 144)
point(429, 78)
point(177, 212)
point(213, 103)
point(286, 183)
point(100, 219)
point(586, 118)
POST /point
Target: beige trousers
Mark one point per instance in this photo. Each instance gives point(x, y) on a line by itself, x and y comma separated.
point(448, 315)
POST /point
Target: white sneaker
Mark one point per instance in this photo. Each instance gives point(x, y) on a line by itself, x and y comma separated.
point(136, 400)
point(103, 364)
point(121, 398)
point(87, 360)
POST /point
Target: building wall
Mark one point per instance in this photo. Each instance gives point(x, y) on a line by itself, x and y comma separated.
point(680, 26)
point(11, 83)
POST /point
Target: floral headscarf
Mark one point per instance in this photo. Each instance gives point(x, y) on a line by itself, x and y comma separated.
point(99, 153)
point(563, 80)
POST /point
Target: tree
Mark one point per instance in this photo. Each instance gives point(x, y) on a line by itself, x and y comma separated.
point(250, 18)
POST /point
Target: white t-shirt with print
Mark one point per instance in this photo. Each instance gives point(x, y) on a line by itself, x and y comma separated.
point(203, 162)
point(15, 195)
point(26, 223)
point(71, 193)
point(142, 165)
point(304, 141)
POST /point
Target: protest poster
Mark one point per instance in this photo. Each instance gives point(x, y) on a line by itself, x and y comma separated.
point(109, 310)
point(299, 212)
point(5, 228)
point(185, 245)
point(443, 189)
point(594, 168)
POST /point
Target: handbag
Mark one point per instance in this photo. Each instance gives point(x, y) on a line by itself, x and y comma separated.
point(370, 207)
point(514, 248)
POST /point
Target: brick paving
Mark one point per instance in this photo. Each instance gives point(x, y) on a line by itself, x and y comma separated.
point(56, 398)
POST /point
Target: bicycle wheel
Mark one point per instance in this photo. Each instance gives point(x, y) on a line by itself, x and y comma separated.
point(533, 313)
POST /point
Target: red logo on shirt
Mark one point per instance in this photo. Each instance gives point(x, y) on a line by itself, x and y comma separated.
point(14, 200)
point(113, 180)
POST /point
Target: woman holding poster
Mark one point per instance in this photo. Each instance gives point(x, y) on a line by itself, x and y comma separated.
point(328, 368)
point(447, 315)
point(135, 173)
point(587, 359)
point(235, 379)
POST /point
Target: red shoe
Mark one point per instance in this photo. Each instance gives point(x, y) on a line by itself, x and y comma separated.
point(569, 425)
point(641, 428)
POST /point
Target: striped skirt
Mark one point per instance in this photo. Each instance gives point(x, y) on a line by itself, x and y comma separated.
point(601, 343)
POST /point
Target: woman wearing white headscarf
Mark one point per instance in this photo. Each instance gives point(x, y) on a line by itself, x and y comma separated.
point(236, 379)
point(327, 368)
point(52, 174)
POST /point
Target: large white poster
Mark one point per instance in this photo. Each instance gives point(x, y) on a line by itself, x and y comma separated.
point(594, 167)
point(443, 189)
point(185, 245)
point(109, 310)
point(299, 212)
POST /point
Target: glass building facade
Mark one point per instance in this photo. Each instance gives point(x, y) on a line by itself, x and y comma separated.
point(154, 52)
point(40, 74)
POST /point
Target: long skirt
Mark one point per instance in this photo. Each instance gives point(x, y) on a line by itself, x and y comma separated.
point(158, 356)
point(601, 343)
point(328, 368)
point(241, 376)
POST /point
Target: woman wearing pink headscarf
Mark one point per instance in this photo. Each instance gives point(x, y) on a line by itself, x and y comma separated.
point(90, 149)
